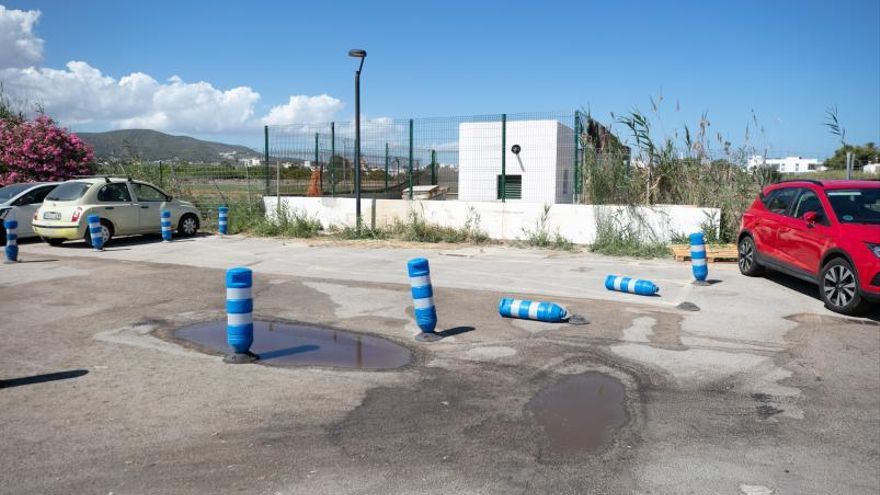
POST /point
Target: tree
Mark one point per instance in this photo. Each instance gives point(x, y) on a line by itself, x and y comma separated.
point(40, 150)
point(862, 155)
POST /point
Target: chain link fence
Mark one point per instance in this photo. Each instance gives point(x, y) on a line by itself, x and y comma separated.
point(530, 157)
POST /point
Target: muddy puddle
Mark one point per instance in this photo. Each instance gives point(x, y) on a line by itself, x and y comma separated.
point(288, 344)
point(579, 414)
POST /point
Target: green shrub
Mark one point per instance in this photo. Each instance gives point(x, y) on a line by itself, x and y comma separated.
point(617, 237)
point(541, 236)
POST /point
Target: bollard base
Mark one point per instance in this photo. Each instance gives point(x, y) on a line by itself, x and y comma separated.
point(577, 320)
point(688, 306)
point(701, 283)
point(428, 337)
point(240, 357)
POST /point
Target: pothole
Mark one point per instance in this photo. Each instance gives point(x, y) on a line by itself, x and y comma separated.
point(289, 344)
point(580, 413)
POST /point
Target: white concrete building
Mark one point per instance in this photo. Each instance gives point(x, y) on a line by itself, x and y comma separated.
point(542, 171)
point(787, 165)
point(871, 168)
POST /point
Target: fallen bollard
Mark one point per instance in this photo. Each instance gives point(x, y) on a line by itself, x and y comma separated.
point(95, 232)
point(631, 285)
point(698, 258)
point(423, 299)
point(11, 226)
point(532, 310)
point(223, 219)
point(166, 225)
point(239, 315)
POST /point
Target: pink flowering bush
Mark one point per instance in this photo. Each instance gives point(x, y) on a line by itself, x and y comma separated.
point(39, 150)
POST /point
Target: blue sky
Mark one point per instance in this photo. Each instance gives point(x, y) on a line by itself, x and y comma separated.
point(786, 60)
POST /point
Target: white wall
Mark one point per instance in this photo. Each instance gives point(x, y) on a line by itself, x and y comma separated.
point(546, 150)
point(502, 221)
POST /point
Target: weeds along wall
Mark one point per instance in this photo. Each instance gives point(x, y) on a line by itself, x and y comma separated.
point(502, 221)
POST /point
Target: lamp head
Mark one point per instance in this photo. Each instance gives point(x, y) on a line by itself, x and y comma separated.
point(357, 53)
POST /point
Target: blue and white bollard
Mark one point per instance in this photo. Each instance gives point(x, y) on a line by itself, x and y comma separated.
point(11, 226)
point(532, 310)
point(631, 285)
point(423, 299)
point(223, 220)
point(95, 232)
point(239, 315)
point(166, 225)
point(698, 258)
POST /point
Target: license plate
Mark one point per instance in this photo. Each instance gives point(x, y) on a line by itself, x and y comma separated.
point(51, 215)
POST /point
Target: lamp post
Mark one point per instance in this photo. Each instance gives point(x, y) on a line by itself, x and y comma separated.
point(361, 54)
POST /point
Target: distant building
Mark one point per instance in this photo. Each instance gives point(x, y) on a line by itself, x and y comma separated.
point(787, 165)
point(871, 168)
point(250, 162)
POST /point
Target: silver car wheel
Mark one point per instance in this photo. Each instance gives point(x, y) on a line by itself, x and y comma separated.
point(189, 225)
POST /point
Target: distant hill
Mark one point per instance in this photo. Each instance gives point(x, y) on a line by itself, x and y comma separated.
point(148, 145)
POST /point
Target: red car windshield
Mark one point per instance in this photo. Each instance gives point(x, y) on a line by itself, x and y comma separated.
point(856, 205)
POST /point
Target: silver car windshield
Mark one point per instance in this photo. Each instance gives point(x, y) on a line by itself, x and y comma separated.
point(13, 190)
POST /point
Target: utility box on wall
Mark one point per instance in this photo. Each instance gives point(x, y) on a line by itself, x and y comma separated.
point(542, 171)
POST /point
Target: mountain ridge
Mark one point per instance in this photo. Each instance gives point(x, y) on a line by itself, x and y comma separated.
point(150, 145)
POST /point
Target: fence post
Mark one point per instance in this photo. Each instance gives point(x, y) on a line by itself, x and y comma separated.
point(386, 169)
point(503, 157)
point(433, 167)
point(332, 155)
point(410, 159)
point(578, 172)
point(320, 167)
point(849, 165)
point(266, 156)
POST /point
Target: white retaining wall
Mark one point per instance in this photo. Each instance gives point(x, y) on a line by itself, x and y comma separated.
point(503, 221)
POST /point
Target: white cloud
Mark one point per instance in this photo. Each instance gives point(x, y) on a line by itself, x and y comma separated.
point(82, 95)
point(304, 109)
point(19, 46)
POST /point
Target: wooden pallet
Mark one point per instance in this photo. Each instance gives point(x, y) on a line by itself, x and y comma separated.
point(714, 253)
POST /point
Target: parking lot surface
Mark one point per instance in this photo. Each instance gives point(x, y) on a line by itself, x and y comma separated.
point(760, 391)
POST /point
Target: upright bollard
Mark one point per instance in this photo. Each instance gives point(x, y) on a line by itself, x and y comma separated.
point(223, 220)
point(423, 299)
point(631, 285)
point(95, 232)
point(239, 315)
point(11, 226)
point(166, 225)
point(698, 258)
point(532, 310)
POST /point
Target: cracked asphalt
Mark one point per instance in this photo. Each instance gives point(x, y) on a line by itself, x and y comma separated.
point(761, 391)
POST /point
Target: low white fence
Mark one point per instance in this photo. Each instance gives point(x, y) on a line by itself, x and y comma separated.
point(502, 221)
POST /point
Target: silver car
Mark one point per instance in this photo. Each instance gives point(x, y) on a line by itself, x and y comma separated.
point(22, 200)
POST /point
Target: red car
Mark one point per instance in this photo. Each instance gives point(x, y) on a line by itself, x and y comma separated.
point(826, 232)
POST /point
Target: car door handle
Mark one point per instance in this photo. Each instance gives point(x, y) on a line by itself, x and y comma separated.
point(145, 207)
point(108, 207)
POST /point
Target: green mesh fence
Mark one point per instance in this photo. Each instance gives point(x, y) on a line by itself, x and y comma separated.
point(530, 157)
point(543, 157)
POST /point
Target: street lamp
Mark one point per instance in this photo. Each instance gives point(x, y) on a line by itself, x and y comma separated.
point(361, 54)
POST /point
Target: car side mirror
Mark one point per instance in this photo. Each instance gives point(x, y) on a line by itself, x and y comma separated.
point(810, 217)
